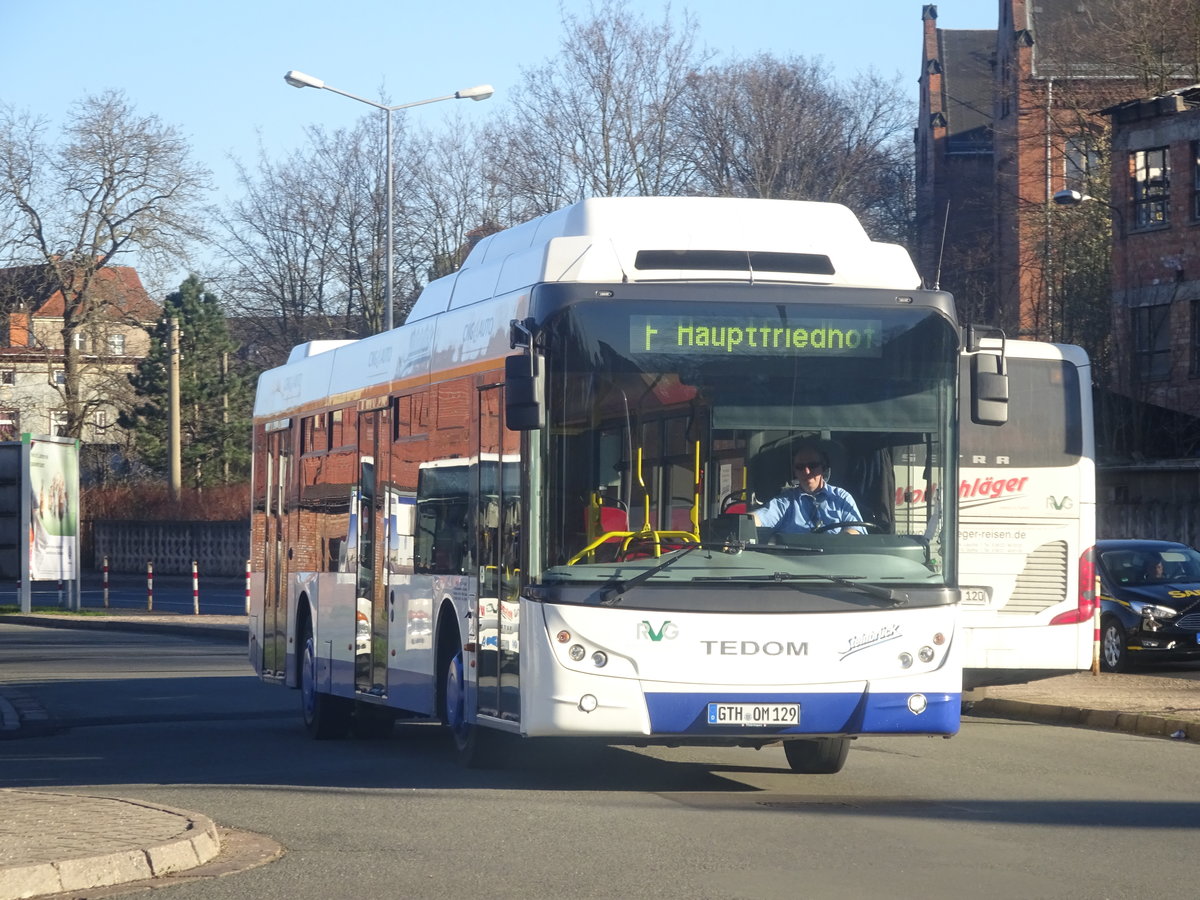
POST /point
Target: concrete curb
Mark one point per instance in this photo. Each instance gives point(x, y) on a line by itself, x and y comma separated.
point(196, 843)
point(1103, 719)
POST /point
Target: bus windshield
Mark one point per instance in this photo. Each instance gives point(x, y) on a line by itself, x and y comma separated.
point(669, 423)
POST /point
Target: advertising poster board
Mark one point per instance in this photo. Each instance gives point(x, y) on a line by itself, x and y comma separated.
point(53, 509)
point(39, 514)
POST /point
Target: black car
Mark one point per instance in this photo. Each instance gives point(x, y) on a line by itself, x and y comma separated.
point(1150, 602)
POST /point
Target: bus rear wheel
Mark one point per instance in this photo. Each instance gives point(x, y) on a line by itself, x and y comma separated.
point(463, 734)
point(817, 756)
point(326, 717)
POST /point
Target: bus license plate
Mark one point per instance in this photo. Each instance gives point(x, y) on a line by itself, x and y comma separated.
point(754, 714)
point(976, 596)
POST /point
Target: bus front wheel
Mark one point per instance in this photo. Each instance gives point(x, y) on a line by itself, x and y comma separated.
point(326, 717)
point(817, 756)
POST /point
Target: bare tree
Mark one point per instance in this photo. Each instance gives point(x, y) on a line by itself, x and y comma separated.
point(118, 185)
point(305, 243)
point(785, 129)
point(595, 120)
point(448, 200)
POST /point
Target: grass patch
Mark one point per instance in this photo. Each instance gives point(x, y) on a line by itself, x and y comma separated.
point(12, 610)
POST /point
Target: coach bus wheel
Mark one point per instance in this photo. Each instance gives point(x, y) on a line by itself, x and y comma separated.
point(325, 716)
point(1113, 655)
point(818, 756)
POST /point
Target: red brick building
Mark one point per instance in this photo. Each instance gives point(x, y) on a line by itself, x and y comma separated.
point(1156, 252)
point(1007, 118)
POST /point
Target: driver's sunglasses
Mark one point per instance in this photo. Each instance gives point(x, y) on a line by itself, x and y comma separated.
point(810, 466)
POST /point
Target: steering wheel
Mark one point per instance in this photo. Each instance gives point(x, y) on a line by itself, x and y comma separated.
point(821, 529)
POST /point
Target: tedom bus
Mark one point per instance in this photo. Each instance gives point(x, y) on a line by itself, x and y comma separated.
point(526, 509)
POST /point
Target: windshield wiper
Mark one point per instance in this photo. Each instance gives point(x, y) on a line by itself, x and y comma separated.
point(895, 598)
point(609, 593)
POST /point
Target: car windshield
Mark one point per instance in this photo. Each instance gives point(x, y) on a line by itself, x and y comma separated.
point(1140, 565)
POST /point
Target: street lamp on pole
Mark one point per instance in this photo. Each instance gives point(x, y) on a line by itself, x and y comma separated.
point(1075, 198)
point(479, 92)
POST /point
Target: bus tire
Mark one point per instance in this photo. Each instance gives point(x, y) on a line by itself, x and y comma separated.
point(468, 741)
point(1114, 655)
point(817, 756)
point(326, 717)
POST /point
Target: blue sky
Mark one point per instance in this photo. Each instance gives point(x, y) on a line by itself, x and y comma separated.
point(215, 69)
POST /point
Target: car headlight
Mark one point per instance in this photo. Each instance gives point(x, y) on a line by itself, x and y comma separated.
point(1154, 611)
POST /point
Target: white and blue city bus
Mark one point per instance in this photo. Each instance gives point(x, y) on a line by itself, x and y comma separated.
point(548, 474)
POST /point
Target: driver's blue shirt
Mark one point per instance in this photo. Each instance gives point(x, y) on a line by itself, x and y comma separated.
point(795, 511)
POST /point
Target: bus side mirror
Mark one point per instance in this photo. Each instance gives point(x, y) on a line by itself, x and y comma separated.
point(989, 389)
point(522, 412)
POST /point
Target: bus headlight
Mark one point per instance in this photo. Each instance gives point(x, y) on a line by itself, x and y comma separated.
point(577, 652)
point(917, 704)
point(600, 659)
point(905, 660)
point(925, 654)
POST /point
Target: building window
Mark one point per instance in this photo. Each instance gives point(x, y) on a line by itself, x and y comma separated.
point(116, 344)
point(58, 423)
point(10, 425)
point(1151, 327)
point(60, 376)
point(1196, 181)
point(1080, 160)
point(100, 421)
point(8, 376)
point(1151, 181)
point(79, 341)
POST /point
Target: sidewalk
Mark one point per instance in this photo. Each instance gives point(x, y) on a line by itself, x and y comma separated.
point(1156, 703)
point(51, 843)
point(60, 842)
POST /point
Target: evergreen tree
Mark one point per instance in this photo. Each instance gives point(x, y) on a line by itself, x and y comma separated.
point(214, 395)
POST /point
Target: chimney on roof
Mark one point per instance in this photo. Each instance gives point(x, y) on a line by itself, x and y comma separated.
point(18, 329)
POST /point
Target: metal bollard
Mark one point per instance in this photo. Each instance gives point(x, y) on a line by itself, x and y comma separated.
point(149, 584)
point(104, 581)
point(247, 587)
point(195, 589)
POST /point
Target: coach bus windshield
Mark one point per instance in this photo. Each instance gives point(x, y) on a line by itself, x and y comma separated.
point(669, 423)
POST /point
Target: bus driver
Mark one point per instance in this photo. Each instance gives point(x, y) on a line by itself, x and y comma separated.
point(809, 502)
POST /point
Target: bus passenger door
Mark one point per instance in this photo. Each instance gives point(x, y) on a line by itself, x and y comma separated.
point(497, 542)
point(371, 614)
point(275, 568)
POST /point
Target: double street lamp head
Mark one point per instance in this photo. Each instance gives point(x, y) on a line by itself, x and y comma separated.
point(479, 92)
point(298, 79)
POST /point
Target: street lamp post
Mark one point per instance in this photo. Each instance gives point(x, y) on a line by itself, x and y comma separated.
point(479, 92)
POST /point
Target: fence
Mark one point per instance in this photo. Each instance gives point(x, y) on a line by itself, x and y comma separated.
point(1163, 520)
point(220, 548)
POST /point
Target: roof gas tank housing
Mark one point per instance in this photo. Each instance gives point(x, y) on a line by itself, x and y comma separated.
point(675, 239)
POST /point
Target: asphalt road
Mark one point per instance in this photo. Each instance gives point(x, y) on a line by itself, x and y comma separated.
point(1004, 809)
